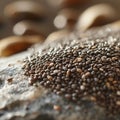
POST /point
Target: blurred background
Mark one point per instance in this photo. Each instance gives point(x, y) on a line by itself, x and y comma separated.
point(51, 16)
point(56, 17)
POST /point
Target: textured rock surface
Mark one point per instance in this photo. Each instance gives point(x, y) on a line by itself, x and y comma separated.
point(20, 101)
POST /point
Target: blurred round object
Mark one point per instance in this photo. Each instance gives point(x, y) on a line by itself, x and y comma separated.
point(66, 3)
point(115, 24)
point(20, 10)
point(96, 15)
point(60, 21)
point(15, 44)
point(66, 18)
point(57, 35)
point(26, 28)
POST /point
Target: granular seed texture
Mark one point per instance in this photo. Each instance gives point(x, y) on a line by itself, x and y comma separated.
point(81, 68)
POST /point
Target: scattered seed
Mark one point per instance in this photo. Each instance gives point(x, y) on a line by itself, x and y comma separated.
point(57, 107)
point(82, 87)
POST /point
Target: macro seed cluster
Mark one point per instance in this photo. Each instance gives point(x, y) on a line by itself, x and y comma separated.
point(89, 68)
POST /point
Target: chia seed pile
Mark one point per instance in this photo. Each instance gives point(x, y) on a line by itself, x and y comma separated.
point(81, 68)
